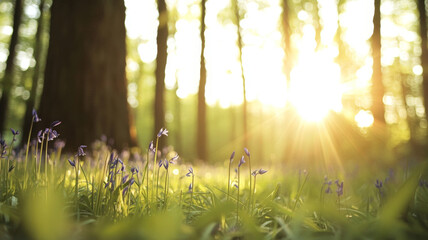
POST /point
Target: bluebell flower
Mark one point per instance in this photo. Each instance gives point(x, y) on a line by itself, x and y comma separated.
point(328, 190)
point(162, 131)
point(173, 160)
point(134, 170)
point(166, 164)
point(55, 123)
point(259, 171)
point(151, 147)
point(125, 190)
point(72, 163)
point(236, 185)
point(339, 190)
point(51, 134)
point(14, 132)
point(160, 163)
point(232, 156)
point(3, 146)
point(190, 187)
point(378, 184)
point(247, 152)
point(40, 136)
point(124, 179)
point(190, 173)
point(35, 116)
point(241, 162)
point(80, 152)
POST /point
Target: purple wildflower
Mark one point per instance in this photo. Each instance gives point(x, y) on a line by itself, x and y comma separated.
point(259, 171)
point(151, 147)
point(3, 146)
point(378, 184)
point(339, 190)
point(328, 190)
point(51, 134)
point(124, 179)
point(40, 136)
point(80, 152)
point(125, 190)
point(190, 187)
point(162, 131)
point(55, 123)
point(247, 152)
point(134, 170)
point(173, 160)
point(232, 156)
point(236, 185)
point(166, 164)
point(241, 162)
point(14, 132)
point(72, 163)
point(35, 116)
point(190, 173)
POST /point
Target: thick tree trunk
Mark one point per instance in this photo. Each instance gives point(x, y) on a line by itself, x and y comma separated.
point(424, 55)
point(240, 46)
point(161, 40)
point(8, 72)
point(378, 108)
point(85, 83)
point(202, 125)
point(30, 104)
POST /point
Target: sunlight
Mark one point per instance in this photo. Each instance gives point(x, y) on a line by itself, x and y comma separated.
point(317, 91)
point(364, 119)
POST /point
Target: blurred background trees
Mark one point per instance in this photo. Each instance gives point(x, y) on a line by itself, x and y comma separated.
point(290, 80)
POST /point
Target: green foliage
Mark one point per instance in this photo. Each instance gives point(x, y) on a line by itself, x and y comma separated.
point(285, 204)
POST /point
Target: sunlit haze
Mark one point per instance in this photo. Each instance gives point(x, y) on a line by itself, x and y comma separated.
point(317, 84)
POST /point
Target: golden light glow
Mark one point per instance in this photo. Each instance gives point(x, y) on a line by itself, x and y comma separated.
point(364, 119)
point(315, 86)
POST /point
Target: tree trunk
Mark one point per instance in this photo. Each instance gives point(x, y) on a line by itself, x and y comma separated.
point(424, 55)
point(161, 40)
point(378, 108)
point(85, 82)
point(202, 128)
point(30, 104)
point(318, 27)
point(8, 72)
point(286, 31)
point(240, 46)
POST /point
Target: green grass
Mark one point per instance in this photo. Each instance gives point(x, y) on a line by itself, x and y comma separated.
point(59, 201)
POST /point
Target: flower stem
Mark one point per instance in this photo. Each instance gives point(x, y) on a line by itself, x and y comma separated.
point(76, 189)
point(237, 198)
point(153, 173)
point(228, 183)
point(166, 189)
point(146, 170)
point(28, 148)
point(249, 168)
